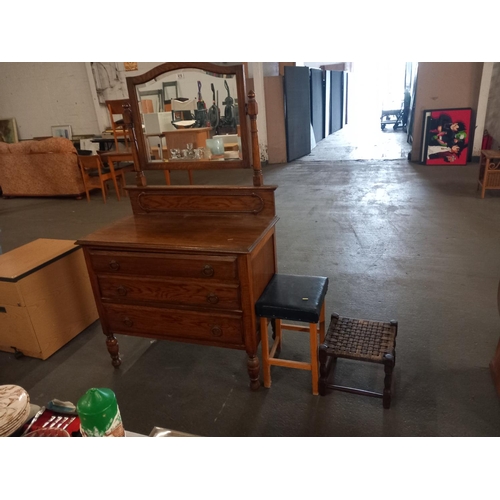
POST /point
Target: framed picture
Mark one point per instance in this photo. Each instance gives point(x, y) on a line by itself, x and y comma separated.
point(8, 130)
point(446, 136)
point(62, 131)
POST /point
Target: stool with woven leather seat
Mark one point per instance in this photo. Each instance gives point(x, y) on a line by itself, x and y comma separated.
point(292, 298)
point(362, 340)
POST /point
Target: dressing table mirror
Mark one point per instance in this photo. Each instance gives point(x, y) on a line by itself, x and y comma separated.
point(210, 124)
point(190, 263)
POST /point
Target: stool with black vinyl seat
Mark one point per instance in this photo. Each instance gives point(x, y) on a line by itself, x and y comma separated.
point(292, 298)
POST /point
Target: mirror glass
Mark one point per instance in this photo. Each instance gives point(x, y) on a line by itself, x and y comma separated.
point(191, 115)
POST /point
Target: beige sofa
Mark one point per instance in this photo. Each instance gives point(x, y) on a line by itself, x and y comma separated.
point(40, 168)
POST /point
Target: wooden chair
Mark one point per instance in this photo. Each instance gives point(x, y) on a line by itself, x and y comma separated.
point(292, 298)
point(115, 108)
point(95, 175)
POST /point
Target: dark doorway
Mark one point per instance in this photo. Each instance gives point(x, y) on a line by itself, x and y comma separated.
point(297, 112)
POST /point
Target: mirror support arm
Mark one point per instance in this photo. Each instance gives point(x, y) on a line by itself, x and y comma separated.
point(252, 111)
point(130, 130)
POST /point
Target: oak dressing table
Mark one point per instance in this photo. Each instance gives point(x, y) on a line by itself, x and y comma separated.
point(191, 261)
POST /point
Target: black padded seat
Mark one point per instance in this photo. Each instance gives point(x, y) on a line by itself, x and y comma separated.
point(293, 297)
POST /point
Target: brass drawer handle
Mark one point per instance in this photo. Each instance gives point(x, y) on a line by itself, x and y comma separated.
point(122, 291)
point(208, 271)
point(114, 265)
point(216, 331)
point(212, 298)
point(128, 322)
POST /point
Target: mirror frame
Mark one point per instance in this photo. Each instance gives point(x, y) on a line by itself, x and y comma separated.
point(139, 139)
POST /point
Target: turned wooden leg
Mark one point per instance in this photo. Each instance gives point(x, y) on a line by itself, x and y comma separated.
point(113, 349)
point(388, 367)
point(253, 371)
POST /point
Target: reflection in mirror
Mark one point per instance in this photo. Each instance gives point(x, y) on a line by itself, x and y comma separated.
point(150, 101)
point(169, 93)
point(202, 121)
point(211, 123)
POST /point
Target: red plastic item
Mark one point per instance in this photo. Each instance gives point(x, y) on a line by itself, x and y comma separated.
point(47, 414)
point(487, 140)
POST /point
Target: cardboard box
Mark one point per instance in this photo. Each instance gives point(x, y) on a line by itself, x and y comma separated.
point(45, 297)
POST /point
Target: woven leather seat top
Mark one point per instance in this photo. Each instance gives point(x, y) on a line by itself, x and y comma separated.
point(360, 339)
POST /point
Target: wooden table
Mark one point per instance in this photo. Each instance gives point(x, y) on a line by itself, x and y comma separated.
point(188, 266)
point(177, 139)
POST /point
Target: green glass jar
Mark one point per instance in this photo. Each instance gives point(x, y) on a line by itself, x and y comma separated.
point(99, 414)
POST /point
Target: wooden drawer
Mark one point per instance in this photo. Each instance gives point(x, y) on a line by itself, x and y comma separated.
point(158, 264)
point(224, 329)
point(191, 293)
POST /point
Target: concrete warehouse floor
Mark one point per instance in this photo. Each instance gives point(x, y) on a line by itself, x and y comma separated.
point(398, 240)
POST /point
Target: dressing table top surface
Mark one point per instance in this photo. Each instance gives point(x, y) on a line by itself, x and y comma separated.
point(225, 233)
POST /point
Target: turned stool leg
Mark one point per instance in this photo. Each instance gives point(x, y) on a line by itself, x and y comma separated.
point(388, 367)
